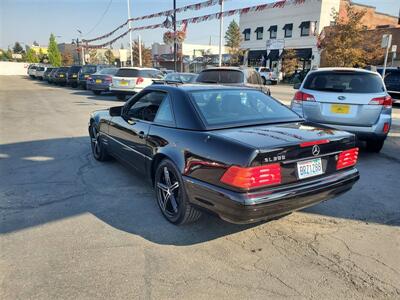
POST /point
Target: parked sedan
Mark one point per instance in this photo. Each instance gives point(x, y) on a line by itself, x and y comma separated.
point(101, 81)
point(52, 75)
point(60, 76)
point(233, 151)
point(349, 99)
point(88, 70)
point(129, 81)
point(392, 82)
point(72, 76)
point(181, 77)
point(233, 76)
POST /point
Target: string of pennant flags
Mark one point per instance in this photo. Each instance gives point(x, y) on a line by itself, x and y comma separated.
point(205, 18)
point(167, 13)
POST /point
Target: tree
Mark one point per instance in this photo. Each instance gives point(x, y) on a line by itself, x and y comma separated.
point(233, 38)
point(67, 59)
point(290, 62)
point(109, 57)
point(31, 56)
point(53, 52)
point(18, 48)
point(35, 44)
point(5, 55)
point(344, 45)
point(147, 60)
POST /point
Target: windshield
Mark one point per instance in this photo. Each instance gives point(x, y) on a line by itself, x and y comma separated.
point(234, 107)
point(220, 76)
point(185, 78)
point(344, 82)
point(108, 71)
point(89, 69)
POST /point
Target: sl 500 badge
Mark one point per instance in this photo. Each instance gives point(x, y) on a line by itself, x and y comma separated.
point(275, 158)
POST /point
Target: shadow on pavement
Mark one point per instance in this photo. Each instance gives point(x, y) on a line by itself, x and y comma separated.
point(49, 180)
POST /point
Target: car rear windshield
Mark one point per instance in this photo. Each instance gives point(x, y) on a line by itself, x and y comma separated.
point(89, 69)
point(220, 76)
point(137, 73)
point(344, 82)
point(75, 68)
point(108, 71)
point(40, 68)
point(392, 77)
point(180, 77)
point(235, 107)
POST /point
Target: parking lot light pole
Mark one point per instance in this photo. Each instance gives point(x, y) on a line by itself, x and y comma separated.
point(130, 31)
point(221, 25)
point(175, 46)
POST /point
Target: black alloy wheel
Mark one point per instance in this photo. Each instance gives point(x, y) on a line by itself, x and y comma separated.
point(98, 150)
point(171, 195)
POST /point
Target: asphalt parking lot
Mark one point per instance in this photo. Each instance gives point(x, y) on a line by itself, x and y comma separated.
point(74, 228)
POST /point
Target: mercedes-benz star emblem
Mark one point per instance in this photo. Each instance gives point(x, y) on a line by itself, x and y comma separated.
point(315, 150)
point(341, 97)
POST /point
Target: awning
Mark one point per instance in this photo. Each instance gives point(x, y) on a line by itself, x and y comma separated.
point(256, 54)
point(288, 26)
point(273, 55)
point(259, 29)
point(273, 28)
point(246, 31)
point(305, 24)
point(305, 53)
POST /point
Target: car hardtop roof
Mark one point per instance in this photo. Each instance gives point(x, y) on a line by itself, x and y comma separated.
point(183, 73)
point(137, 68)
point(339, 69)
point(190, 87)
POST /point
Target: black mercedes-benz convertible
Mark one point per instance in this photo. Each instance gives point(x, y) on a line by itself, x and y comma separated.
point(232, 151)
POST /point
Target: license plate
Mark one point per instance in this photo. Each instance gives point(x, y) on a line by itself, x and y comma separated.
point(74, 76)
point(98, 80)
point(123, 82)
point(309, 168)
point(61, 75)
point(340, 109)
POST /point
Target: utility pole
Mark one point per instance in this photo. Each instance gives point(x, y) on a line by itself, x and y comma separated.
point(221, 25)
point(82, 50)
point(140, 50)
point(175, 45)
point(130, 31)
point(386, 43)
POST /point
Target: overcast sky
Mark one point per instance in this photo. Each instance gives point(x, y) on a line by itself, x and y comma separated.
point(29, 20)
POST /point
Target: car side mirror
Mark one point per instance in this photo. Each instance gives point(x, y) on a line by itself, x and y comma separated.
point(115, 111)
point(297, 85)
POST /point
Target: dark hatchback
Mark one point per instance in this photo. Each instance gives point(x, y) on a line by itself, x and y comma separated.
point(88, 70)
point(60, 76)
point(72, 75)
point(392, 82)
point(235, 152)
point(100, 82)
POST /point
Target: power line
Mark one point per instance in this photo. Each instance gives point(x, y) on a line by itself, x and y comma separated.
point(101, 18)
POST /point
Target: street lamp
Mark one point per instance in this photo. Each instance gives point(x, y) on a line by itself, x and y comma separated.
point(82, 51)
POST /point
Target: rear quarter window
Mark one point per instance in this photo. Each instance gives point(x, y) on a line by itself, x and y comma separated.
point(344, 82)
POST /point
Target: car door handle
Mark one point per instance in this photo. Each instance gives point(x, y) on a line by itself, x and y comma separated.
point(131, 122)
point(141, 134)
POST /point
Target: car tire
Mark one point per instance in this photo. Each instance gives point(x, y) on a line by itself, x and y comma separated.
point(121, 97)
point(98, 150)
point(375, 145)
point(171, 195)
point(264, 81)
point(96, 92)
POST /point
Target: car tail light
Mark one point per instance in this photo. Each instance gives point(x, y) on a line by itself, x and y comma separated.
point(385, 101)
point(386, 127)
point(253, 177)
point(347, 158)
point(312, 143)
point(90, 78)
point(139, 80)
point(300, 96)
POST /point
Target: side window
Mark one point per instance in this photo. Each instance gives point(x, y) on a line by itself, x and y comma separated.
point(164, 114)
point(147, 106)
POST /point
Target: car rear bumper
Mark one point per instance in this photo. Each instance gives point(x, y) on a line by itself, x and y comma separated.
point(242, 208)
point(125, 91)
point(98, 87)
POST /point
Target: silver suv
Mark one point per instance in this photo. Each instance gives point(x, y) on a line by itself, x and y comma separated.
point(353, 100)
